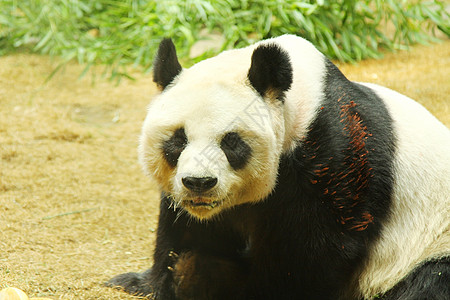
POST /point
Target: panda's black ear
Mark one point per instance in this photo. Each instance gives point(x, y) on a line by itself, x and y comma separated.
point(270, 72)
point(166, 66)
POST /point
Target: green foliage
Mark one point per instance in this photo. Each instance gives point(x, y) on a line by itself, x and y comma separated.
point(116, 33)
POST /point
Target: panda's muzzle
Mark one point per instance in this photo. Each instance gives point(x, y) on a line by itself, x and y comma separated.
point(200, 192)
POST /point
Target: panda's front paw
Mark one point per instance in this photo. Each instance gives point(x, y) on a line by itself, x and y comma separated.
point(132, 283)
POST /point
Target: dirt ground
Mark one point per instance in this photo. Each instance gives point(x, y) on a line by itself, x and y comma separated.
point(75, 208)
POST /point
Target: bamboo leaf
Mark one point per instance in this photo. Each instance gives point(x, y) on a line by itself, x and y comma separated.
point(115, 33)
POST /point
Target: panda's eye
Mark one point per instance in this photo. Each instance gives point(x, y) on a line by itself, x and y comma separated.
point(236, 150)
point(173, 147)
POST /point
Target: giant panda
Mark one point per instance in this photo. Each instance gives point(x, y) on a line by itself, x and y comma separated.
point(282, 179)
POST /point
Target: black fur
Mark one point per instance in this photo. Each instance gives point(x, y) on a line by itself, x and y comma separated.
point(199, 184)
point(180, 240)
point(429, 281)
point(173, 147)
point(310, 236)
point(236, 150)
point(166, 66)
point(270, 71)
point(351, 145)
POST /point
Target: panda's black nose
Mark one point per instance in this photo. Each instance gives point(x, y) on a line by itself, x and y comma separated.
point(199, 184)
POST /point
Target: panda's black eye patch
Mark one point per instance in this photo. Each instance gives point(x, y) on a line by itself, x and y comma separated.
point(236, 150)
point(173, 147)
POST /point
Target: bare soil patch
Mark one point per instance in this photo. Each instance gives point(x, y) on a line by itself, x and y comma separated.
point(75, 208)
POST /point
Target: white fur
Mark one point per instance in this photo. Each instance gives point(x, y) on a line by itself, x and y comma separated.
point(419, 225)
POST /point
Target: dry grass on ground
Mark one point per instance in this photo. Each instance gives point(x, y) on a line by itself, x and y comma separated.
point(75, 208)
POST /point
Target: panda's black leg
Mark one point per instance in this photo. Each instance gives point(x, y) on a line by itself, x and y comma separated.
point(192, 260)
point(132, 283)
point(429, 281)
point(156, 282)
point(202, 276)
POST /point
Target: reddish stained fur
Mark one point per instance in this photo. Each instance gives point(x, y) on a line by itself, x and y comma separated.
point(341, 186)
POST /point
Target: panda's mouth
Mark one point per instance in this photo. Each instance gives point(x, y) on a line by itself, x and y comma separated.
point(200, 202)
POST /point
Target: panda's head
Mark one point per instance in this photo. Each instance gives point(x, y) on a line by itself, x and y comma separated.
point(213, 137)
